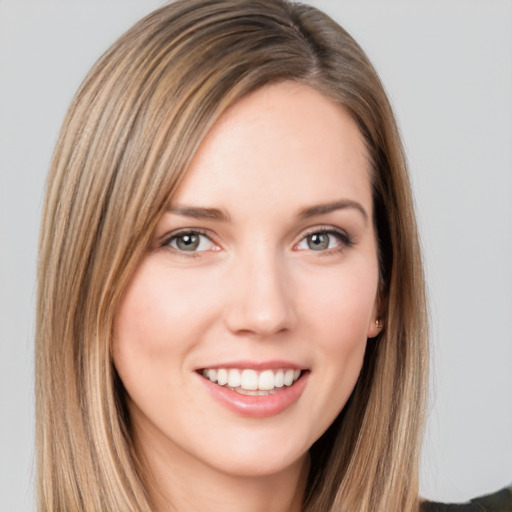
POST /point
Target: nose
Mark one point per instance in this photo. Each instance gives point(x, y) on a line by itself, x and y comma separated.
point(261, 296)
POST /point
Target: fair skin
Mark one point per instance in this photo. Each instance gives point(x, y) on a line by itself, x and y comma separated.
point(264, 264)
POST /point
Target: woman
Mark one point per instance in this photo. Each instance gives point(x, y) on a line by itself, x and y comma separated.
point(219, 144)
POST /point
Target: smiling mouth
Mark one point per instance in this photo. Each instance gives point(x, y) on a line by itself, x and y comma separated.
point(252, 382)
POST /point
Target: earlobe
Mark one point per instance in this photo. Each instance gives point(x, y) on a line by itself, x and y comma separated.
point(375, 328)
point(376, 323)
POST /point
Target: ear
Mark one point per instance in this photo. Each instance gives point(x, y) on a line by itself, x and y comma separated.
point(375, 325)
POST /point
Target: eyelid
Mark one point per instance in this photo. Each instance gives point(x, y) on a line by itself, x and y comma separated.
point(346, 240)
point(169, 237)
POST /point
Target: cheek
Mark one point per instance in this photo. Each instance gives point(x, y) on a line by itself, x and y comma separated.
point(139, 340)
point(142, 322)
point(158, 312)
point(340, 309)
point(342, 303)
point(342, 325)
point(153, 329)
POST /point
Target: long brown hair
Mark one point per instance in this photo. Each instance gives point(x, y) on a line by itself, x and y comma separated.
point(125, 144)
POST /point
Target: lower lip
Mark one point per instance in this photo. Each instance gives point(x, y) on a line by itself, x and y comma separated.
point(257, 406)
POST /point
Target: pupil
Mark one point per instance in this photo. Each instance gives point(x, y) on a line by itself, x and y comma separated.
point(318, 241)
point(188, 242)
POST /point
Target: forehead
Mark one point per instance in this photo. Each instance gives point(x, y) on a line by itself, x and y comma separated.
point(282, 141)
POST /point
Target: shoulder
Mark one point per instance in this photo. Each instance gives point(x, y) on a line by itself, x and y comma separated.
point(500, 501)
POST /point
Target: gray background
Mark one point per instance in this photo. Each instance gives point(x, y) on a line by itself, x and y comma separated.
point(447, 66)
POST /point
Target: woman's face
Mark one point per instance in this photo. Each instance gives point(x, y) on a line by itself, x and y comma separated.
point(242, 333)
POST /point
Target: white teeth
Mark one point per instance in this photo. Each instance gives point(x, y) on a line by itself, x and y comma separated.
point(234, 378)
point(266, 380)
point(279, 379)
point(255, 393)
point(222, 377)
point(250, 382)
point(288, 377)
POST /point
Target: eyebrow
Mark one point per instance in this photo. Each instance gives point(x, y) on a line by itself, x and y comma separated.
point(197, 212)
point(221, 215)
point(322, 209)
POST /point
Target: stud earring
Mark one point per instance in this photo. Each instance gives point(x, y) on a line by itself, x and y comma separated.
point(378, 323)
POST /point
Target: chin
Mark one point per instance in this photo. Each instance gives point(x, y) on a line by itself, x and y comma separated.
point(258, 466)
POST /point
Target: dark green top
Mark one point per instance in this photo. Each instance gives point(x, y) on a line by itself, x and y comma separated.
point(500, 501)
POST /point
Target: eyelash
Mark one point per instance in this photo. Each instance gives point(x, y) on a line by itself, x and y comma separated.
point(192, 232)
point(344, 239)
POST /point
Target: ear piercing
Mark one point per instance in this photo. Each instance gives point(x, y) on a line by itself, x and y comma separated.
point(378, 324)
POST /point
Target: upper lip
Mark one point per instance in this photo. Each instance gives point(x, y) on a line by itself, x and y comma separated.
point(255, 365)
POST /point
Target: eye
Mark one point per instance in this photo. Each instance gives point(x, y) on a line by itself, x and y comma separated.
point(190, 241)
point(324, 240)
